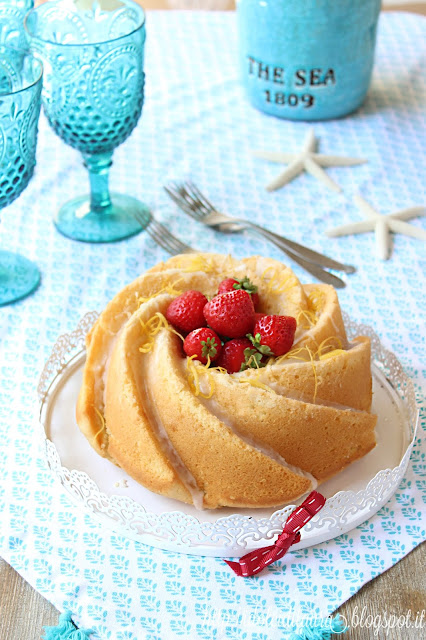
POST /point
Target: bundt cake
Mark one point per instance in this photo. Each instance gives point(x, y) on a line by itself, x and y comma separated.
point(260, 437)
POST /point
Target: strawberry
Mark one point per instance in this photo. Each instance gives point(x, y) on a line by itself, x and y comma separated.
point(274, 335)
point(185, 312)
point(230, 314)
point(202, 343)
point(230, 284)
point(238, 355)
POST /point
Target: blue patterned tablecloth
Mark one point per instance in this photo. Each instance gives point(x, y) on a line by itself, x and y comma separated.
point(197, 123)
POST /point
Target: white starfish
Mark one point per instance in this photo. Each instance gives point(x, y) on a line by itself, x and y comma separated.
point(382, 225)
point(306, 160)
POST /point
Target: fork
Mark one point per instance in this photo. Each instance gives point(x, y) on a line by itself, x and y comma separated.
point(162, 236)
point(188, 197)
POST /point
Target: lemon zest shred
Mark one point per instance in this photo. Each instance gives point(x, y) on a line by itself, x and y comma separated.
point(212, 387)
point(250, 362)
point(295, 354)
point(150, 331)
point(199, 263)
point(142, 299)
point(172, 330)
point(254, 382)
point(311, 359)
point(331, 354)
point(146, 346)
point(227, 266)
point(316, 301)
point(158, 322)
point(102, 419)
point(151, 327)
point(314, 369)
point(309, 316)
point(324, 342)
point(334, 350)
point(218, 369)
point(307, 355)
point(278, 283)
point(169, 287)
point(194, 379)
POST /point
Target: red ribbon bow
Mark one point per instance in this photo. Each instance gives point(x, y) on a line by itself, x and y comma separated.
point(255, 561)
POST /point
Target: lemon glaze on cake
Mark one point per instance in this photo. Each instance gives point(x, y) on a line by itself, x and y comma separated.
point(257, 438)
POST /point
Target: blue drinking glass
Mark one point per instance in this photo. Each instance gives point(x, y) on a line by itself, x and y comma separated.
point(12, 13)
point(20, 100)
point(93, 90)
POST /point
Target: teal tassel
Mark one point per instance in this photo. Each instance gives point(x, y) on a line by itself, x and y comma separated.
point(66, 630)
point(319, 630)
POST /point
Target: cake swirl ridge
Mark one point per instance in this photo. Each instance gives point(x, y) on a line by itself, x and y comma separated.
point(261, 437)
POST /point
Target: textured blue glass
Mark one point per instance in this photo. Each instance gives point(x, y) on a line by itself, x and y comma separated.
point(93, 95)
point(20, 99)
point(12, 13)
point(20, 90)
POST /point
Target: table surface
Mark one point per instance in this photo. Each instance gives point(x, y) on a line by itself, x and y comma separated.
point(23, 612)
point(399, 591)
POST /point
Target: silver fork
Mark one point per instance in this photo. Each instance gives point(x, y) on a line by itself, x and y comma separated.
point(188, 197)
point(162, 236)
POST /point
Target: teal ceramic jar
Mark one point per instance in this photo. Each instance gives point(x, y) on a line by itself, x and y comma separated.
point(307, 59)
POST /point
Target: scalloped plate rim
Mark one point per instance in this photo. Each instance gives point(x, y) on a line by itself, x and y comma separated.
point(235, 548)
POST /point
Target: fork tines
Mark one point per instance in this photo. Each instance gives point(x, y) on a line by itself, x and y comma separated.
point(162, 236)
point(188, 197)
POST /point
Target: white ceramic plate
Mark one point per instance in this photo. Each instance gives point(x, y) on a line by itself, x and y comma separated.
point(131, 510)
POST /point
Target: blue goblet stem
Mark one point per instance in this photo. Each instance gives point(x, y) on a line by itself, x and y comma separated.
point(93, 96)
point(98, 166)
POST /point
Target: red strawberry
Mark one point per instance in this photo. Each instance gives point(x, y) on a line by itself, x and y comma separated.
point(274, 335)
point(237, 355)
point(203, 342)
point(185, 312)
point(230, 284)
point(231, 314)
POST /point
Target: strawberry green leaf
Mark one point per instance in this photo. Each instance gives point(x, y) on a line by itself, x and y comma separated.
point(208, 348)
point(253, 339)
point(263, 348)
point(252, 359)
point(246, 285)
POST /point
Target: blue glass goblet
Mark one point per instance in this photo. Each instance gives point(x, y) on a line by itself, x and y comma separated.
point(93, 90)
point(20, 100)
point(12, 13)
